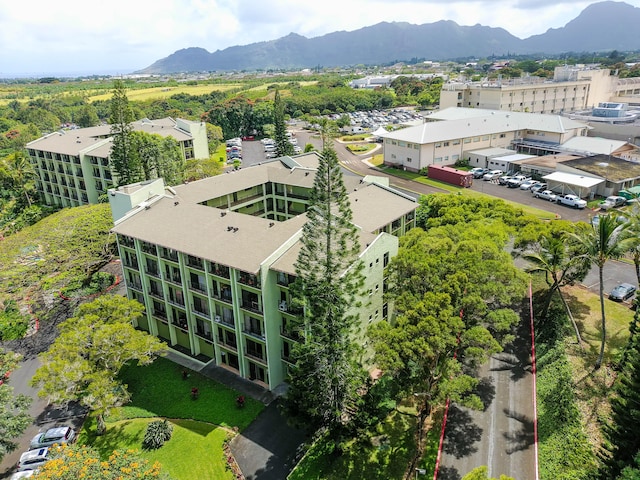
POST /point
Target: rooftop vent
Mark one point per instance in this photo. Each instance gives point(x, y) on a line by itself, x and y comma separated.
point(271, 224)
point(222, 214)
point(229, 228)
point(235, 229)
point(176, 203)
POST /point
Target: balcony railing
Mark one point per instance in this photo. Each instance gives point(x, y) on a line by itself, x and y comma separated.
point(154, 272)
point(177, 301)
point(202, 311)
point(180, 323)
point(169, 254)
point(161, 314)
point(195, 262)
point(225, 297)
point(175, 279)
point(206, 335)
point(290, 333)
point(251, 306)
point(224, 321)
point(219, 270)
point(249, 279)
point(198, 287)
point(254, 332)
point(157, 294)
point(232, 344)
point(130, 263)
point(135, 284)
point(260, 357)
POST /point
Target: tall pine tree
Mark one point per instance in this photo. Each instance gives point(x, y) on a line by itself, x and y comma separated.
point(622, 439)
point(326, 375)
point(283, 145)
point(120, 117)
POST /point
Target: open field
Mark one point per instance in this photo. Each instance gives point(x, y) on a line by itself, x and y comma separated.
point(165, 92)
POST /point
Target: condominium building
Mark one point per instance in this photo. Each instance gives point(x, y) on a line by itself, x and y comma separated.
point(73, 166)
point(212, 260)
point(570, 90)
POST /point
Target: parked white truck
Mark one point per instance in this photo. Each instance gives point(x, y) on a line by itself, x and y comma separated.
point(571, 201)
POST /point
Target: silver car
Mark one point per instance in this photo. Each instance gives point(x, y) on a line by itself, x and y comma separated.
point(58, 435)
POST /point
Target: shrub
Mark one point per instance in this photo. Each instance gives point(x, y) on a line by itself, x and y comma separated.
point(158, 432)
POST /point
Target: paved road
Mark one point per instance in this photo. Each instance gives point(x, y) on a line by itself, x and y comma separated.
point(44, 415)
point(501, 436)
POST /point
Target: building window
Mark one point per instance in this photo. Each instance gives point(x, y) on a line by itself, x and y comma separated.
point(446, 144)
point(385, 259)
point(456, 142)
point(409, 159)
point(438, 145)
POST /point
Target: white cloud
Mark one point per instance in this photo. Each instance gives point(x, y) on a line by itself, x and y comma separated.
point(124, 35)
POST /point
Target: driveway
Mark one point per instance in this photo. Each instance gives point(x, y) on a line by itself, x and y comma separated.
point(269, 448)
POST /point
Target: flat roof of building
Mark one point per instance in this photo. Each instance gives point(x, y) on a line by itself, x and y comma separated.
point(573, 179)
point(608, 167)
point(547, 161)
point(592, 145)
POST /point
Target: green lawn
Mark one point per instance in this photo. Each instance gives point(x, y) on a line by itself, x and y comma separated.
point(194, 450)
point(372, 458)
point(158, 390)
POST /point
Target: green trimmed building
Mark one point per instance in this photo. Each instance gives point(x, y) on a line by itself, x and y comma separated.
point(212, 260)
point(73, 166)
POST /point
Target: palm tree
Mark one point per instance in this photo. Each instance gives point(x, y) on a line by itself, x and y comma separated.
point(22, 174)
point(561, 266)
point(606, 240)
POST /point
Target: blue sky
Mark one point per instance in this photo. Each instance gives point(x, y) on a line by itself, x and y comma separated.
point(89, 36)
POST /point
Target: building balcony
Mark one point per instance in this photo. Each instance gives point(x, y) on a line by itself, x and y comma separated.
point(286, 358)
point(230, 344)
point(228, 322)
point(135, 284)
point(225, 297)
point(206, 335)
point(181, 323)
point(148, 248)
point(249, 280)
point(290, 334)
point(154, 272)
point(178, 302)
point(203, 312)
point(198, 287)
point(156, 294)
point(284, 279)
point(252, 306)
point(175, 279)
point(195, 262)
point(219, 270)
point(240, 201)
point(257, 356)
point(130, 264)
point(169, 255)
point(254, 333)
point(160, 315)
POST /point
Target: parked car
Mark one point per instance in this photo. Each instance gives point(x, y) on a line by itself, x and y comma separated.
point(516, 181)
point(492, 175)
point(53, 435)
point(504, 179)
point(23, 474)
point(538, 188)
point(478, 172)
point(572, 201)
point(528, 184)
point(33, 459)
point(546, 195)
point(622, 292)
point(612, 201)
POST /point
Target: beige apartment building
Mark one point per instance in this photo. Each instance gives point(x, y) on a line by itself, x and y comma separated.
point(570, 90)
point(73, 166)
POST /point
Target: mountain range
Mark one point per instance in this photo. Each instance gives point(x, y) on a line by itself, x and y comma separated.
point(601, 26)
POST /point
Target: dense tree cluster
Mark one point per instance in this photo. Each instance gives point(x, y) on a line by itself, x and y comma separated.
point(83, 363)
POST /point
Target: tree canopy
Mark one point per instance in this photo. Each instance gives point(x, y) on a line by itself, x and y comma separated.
point(83, 362)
